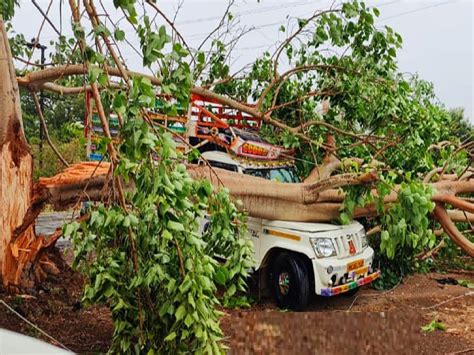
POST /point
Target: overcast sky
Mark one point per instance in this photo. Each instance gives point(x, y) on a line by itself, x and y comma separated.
point(438, 35)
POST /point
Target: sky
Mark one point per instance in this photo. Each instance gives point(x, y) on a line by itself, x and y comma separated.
point(438, 35)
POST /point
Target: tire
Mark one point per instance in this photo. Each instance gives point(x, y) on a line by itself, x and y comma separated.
point(289, 280)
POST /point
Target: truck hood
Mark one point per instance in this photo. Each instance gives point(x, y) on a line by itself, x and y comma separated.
point(310, 227)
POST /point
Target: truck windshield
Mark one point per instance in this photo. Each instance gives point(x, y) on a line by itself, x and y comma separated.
point(285, 174)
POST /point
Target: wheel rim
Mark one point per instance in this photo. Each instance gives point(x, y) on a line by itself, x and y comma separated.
point(284, 283)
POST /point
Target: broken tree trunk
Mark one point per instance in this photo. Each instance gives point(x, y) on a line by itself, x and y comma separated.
point(318, 201)
point(20, 254)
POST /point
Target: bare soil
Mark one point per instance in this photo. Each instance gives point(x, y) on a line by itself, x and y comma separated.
point(369, 322)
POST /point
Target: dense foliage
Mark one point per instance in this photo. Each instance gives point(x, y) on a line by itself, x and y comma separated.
point(149, 263)
point(7, 9)
point(389, 120)
point(145, 257)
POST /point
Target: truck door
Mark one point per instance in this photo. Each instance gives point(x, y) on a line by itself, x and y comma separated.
point(254, 229)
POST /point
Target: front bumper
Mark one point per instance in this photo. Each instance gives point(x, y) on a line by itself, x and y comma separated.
point(332, 291)
point(334, 272)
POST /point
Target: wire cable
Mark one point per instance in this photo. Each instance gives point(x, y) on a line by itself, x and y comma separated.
point(33, 325)
point(248, 12)
point(416, 10)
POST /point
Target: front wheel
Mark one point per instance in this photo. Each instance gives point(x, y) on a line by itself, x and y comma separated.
point(290, 281)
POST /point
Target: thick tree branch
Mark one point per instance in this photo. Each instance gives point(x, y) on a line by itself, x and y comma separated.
point(455, 202)
point(35, 81)
point(451, 229)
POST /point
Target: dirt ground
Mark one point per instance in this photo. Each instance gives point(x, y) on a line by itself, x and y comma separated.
point(370, 322)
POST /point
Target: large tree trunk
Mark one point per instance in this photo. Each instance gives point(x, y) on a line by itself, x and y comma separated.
point(19, 253)
point(318, 201)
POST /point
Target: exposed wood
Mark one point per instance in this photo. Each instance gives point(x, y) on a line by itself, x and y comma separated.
point(460, 216)
point(305, 202)
point(455, 202)
point(80, 182)
point(373, 231)
point(18, 254)
point(431, 174)
point(23, 256)
point(433, 251)
point(330, 162)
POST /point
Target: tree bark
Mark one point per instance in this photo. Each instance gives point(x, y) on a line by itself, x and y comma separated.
point(19, 254)
point(318, 201)
point(451, 230)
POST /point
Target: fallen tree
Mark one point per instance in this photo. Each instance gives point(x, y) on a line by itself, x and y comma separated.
point(319, 201)
point(139, 247)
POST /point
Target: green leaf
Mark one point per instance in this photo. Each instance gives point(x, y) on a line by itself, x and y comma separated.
point(102, 79)
point(101, 29)
point(119, 35)
point(94, 73)
point(188, 320)
point(68, 229)
point(466, 283)
point(231, 290)
point(206, 184)
point(133, 219)
point(344, 218)
point(180, 312)
point(201, 58)
point(185, 286)
point(176, 226)
point(220, 277)
point(126, 221)
point(170, 336)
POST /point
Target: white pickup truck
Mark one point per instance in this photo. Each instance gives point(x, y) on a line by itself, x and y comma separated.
point(296, 259)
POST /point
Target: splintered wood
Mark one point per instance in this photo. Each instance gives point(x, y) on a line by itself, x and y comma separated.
point(17, 253)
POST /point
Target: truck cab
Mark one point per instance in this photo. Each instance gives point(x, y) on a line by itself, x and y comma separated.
point(295, 260)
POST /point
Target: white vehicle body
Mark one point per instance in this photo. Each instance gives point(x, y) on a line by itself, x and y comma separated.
point(332, 275)
point(337, 256)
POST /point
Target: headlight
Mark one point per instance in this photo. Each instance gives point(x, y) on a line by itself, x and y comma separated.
point(323, 247)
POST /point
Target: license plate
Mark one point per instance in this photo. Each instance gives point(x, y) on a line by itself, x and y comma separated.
point(355, 265)
point(354, 275)
point(361, 271)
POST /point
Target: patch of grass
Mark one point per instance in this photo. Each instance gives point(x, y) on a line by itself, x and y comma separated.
point(466, 283)
point(434, 325)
